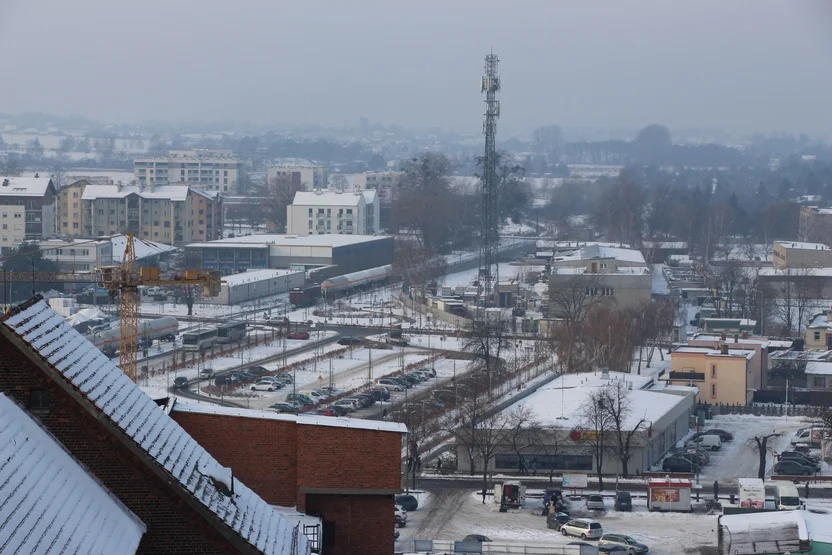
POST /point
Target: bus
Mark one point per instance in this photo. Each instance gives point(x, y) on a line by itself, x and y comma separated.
point(232, 331)
point(199, 340)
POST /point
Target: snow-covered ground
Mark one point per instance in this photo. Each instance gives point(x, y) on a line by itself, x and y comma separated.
point(451, 514)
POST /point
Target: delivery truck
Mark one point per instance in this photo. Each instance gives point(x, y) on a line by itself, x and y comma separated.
point(811, 435)
point(752, 493)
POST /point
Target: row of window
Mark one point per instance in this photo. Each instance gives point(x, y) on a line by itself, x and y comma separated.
point(600, 292)
point(16, 215)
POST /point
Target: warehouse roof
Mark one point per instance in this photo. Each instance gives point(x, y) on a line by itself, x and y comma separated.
point(802, 245)
point(168, 449)
point(257, 275)
point(289, 241)
point(50, 501)
point(332, 197)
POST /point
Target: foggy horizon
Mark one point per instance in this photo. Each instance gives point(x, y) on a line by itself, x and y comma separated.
point(742, 67)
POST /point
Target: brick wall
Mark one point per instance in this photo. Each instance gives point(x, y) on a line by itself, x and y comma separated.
point(172, 526)
point(364, 525)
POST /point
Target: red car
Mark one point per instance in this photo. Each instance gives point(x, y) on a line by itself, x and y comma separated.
point(298, 335)
point(325, 412)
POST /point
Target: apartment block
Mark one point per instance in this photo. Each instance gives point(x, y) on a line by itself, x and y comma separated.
point(27, 210)
point(206, 208)
point(163, 214)
point(70, 215)
point(723, 375)
point(310, 177)
point(333, 212)
point(815, 223)
point(209, 170)
point(384, 183)
point(793, 254)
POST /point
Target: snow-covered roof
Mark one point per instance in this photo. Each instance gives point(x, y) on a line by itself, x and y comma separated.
point(289, 241)
point(619, 271)
point(665, 245)
point(257, 275)
point(162, 192)
point(820, 321)
point(766, 532)
point(819, 368)
point(821, 356)
point(327, 198)
point(741, 353)
point(24, 186)
point(304, 419)
point(825, 271)
point(599, 251)
point(48, 501)
point(189, 468)
point(143, 247)
point(649, 404)
point(802, 245)
point(369, 196)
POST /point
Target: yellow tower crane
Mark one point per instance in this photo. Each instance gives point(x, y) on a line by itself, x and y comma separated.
point(124, 280)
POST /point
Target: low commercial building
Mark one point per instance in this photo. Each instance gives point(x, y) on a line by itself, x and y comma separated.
point(723, 375)
point(792, 254)
point(257, 284)
point(333, 212)
point(350, 253)
point(660, 415)
point(815, 223)
point(75, 255)
point(27, 210)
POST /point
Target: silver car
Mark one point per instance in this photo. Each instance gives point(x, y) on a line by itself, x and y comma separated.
point(583, 528)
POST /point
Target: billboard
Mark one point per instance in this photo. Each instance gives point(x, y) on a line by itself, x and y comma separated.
point(664, 495)
point(574, 481)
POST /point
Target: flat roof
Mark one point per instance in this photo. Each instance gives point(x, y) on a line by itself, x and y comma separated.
point(333, 197)
point(568, 393)
point(290, 240)
point(257, 275)
point(744, 353)
point(801, 245)
point(819, 368)
point(310, 420)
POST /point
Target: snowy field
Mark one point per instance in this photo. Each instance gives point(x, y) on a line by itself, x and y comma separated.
point(452, 514)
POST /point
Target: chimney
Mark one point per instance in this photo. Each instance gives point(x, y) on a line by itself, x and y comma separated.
point(6, 182)
point(724, 348)
point(722, 336)
point(118, 187)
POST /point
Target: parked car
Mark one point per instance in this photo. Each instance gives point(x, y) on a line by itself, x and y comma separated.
point(330, 391)
point(802, 448)
point(615, 549)
point(629, 544)
point(385, 393)
point(583, 528)
point(713, 443)
point(595, 503)
point(339, 410)
point(791, 467)
point(285, 376)
point(325, 412)
point(374, 393)
point(256, 370)
point(679, 464)
point(401, 517)
point(349, 341)
point(180, 382)
point(696, 454)
point(348, 404)
point(317, 396)
point(554, 520)
point(369, 398)
point(390, 385)
point(289, 408)
point(301, 399)
point(809, 460)
point(412, 380)
point(623, 501)
point(265, 385)
point(418, 376)
point(476, 538)
point(429, 370)
point(302, 335)
point(723, 435)
point(407, 502)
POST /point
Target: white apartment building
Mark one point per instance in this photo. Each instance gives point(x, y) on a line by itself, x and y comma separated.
point(210, 170)
point(78, 255)
point(27, 210)
point(333, 212)
point(304, 173)
point(382, 182)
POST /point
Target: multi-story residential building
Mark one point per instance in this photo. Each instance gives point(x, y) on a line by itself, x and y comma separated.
point(70, 216)
point(206, 207)
point(210, 170)
point(792, 254)
point(304, 173)
point(383, 182)
point(162, 214)
point(333, 212)
point(723, 375)
point(27, 210)
point(815, 224)
point(73, 255)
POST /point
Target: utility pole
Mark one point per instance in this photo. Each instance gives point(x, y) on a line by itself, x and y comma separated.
point(490, 226)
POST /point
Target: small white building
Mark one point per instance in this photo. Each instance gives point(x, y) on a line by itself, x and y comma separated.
point(78, 255)
point(257, 284)
point(333, 212)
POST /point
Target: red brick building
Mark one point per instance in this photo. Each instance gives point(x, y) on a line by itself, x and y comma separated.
point(185, 500)
point(344, 470)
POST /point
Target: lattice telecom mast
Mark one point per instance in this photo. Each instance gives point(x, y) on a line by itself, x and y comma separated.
point(490, 225)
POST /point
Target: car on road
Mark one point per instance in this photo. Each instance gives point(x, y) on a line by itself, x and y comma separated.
point(595, 503)
point(349, 341)
point(288, 408)
point(407, 502)
point(266, 385)
point(623, 501)
point(479, 538)
point(206, 372)
point(301, 399)
point(791, 467)
point(628, 544)
point(390, 385)
point(583, 528)
point(555, 520)
point(401, 517)
point(180, 382)
point(301, 335)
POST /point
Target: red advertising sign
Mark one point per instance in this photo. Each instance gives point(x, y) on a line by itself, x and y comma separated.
point(664, 495)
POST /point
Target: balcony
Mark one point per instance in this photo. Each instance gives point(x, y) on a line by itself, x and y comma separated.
point(687, 376)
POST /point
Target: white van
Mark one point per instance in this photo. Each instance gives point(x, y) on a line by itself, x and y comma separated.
point(711, 443)
point(786, 497)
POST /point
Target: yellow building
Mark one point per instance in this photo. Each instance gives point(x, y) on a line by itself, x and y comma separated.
point(818, 332)
point(793, 254)
point(70, 215)
point(722, 375)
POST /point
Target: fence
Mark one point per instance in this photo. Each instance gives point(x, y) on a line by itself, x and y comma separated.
point(796, 397)
point(765, 410)
point(463, 547)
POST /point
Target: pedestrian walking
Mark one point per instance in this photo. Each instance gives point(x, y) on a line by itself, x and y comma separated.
point(439, 466)
point(807, 490)
point(384, 414)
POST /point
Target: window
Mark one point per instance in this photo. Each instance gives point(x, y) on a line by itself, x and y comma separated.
point(225, 181)
point(819, 383)
point(156, 222)
point(166, 222)
point(39, 399)
point(112, 212)
point(544, 462)
point(713, 370)
point(75, 205)
point(713, 390)
point(603, 265)
point(74, 225)
point(817, 336)
point(74, 195)
point(310, 213)
point(225, 173)
point(65, 225)
point(201, 212)
point(310, 224)
point(100, 212)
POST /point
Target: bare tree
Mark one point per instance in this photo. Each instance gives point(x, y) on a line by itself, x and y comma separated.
point(549, 442)
point(571, 301)
point(759, 444)
point(279, 193)
point(489, 439)
point(522, 433)
point(339, 181)
point(486, 340)
point(625, 428)
point(730, 276)
point(595, 426)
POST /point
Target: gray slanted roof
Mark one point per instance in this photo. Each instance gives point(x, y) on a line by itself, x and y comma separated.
point(190, 468)
point(49, 503)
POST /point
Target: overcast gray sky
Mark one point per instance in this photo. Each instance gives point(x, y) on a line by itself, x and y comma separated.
point(738, 65)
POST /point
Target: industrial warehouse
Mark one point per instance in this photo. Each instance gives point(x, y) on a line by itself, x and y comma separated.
point(350, 253)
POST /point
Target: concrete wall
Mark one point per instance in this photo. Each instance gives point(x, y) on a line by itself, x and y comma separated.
point(242, 292)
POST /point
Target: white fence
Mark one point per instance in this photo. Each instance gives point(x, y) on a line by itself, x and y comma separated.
point(437, 547)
